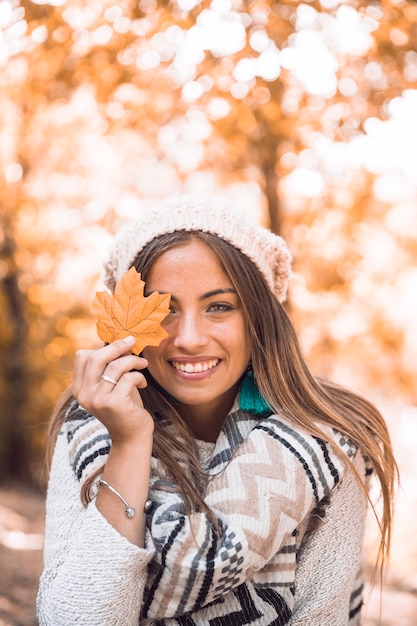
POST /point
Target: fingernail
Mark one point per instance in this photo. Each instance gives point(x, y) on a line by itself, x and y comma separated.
point(129, 339)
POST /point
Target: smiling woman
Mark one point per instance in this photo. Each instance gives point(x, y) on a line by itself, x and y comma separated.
point(208, 349)
point(212, 479)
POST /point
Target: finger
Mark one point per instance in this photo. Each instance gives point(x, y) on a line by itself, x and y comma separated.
point(115, 401)
point(108, 379)
point(128, 382)
point(79, 365)
point(90, 364)
point(98, 360)
point(115, 369)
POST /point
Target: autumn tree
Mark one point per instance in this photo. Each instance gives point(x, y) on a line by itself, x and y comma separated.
point(104, 105)
point(42, 70)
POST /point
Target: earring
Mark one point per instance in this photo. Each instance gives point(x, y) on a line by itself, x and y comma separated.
point(250, 399)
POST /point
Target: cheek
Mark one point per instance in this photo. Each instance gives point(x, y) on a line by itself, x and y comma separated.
point(152, 354)
point(238, 339)
point(244, 338)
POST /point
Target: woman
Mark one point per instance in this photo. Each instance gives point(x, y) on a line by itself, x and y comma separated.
point(212, 479)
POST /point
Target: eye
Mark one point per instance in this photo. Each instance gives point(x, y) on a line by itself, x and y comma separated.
point(220, 307)
point(171, 310)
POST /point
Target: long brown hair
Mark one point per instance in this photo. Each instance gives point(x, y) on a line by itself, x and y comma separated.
point(283, 378)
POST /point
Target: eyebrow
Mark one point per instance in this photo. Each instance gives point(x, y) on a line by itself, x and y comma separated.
point(204, 296)
point(217, 292)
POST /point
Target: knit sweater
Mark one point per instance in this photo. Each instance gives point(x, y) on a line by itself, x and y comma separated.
point(268, 566)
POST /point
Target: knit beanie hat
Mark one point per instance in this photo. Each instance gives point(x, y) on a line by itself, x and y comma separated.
point(211, 215)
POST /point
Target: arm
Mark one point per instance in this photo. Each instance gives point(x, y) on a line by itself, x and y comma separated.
point(92, 574)
point(95, 564)
point(106, 383)
point(277, 476)
point(328, 577)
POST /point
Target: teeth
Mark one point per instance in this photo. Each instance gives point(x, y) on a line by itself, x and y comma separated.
point(194, 368)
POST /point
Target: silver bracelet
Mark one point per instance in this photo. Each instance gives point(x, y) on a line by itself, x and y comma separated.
point(129, 510)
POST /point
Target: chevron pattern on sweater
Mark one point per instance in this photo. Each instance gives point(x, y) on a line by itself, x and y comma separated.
point(266, 477)
point(246, 605)
point(273, 479)
point(88, 441)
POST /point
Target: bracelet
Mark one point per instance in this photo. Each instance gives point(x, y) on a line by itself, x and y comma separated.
point(129, 510)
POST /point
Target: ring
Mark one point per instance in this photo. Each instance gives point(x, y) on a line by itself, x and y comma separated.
point(108, 379)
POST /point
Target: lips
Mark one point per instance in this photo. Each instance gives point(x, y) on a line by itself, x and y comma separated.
point(195, 368)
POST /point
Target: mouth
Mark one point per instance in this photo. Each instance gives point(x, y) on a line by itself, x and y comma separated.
point(195, 368)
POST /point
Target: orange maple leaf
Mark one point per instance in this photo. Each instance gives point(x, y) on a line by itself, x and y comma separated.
point(129, 312)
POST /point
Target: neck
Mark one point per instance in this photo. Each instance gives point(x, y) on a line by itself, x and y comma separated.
point(206, 421)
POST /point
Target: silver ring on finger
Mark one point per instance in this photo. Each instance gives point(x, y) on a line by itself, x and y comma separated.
point(108, 379)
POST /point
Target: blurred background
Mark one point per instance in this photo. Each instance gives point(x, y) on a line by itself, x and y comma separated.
point(303, 113)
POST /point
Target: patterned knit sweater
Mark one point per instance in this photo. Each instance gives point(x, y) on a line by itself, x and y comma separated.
point(268, 565)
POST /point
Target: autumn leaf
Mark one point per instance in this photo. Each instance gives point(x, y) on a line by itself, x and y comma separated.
point(129, 312)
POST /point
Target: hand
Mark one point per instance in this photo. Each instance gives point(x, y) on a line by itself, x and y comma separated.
point(118, 406)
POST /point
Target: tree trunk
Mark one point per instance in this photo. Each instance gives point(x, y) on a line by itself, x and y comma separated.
point(271, 192)
point(14, 448)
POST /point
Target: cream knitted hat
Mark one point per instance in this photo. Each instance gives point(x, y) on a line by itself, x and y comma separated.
point(211, 215)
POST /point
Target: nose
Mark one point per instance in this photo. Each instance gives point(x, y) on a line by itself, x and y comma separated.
point(190, 332)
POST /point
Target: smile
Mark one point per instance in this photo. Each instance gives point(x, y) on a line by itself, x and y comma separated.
point(195, 368)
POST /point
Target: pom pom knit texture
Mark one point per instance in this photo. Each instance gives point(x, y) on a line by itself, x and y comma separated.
point(268, 251)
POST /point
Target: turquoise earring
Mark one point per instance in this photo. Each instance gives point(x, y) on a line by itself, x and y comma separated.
point(250, 399)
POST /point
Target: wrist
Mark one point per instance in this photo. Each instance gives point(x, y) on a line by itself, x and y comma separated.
point(134, 446)
point(132, 435)
point(130, 511)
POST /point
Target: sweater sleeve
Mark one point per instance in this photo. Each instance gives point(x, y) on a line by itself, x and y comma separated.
point(328, 581)
point(92, 575)
point(277, 476)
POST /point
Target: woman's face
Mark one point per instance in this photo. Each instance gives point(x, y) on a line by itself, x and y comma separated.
point(208, 347)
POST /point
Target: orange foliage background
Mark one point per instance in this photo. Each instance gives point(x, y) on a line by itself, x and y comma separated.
point(302, 112)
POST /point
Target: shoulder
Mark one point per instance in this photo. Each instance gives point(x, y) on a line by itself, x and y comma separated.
point(323, 459)
point(88, 441)
point(328, 583)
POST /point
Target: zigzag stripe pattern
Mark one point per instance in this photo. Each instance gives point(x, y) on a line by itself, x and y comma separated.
point(356, 601)
point(233, 433)
point(266, 478)
point(275, 477)
point(88, 440)
point(245, 605)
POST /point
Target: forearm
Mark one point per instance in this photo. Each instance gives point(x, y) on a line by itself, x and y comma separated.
point(92, 575)
point(328, 581)
point(127, 470)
